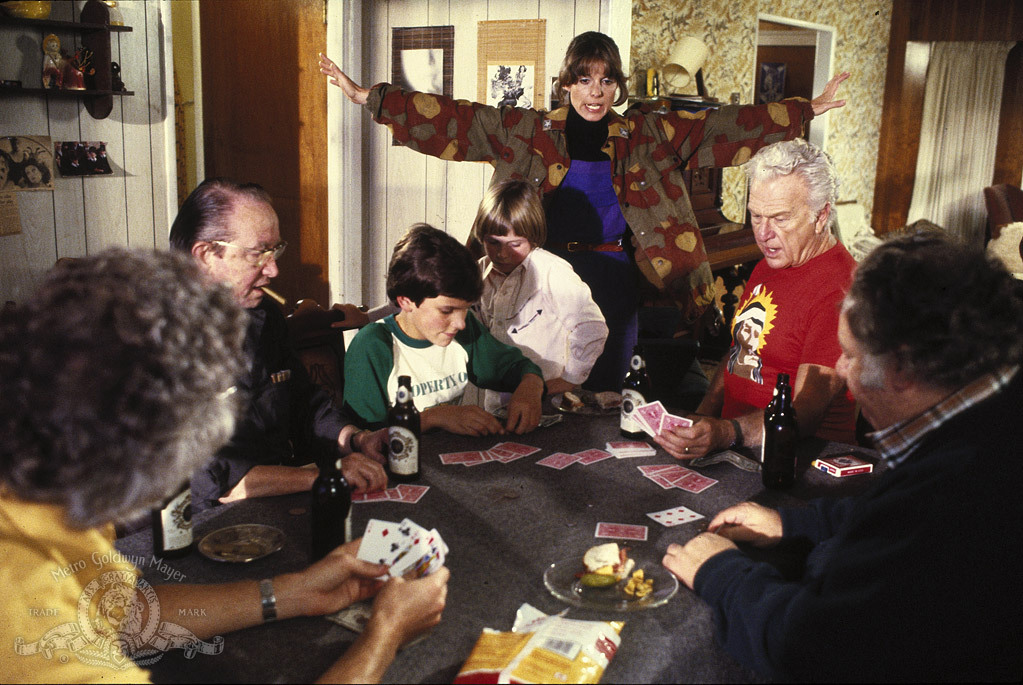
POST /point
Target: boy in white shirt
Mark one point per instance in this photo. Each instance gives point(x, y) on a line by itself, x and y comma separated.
point(532, 299)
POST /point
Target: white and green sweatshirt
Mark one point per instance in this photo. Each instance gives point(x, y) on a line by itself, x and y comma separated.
point(381, 352)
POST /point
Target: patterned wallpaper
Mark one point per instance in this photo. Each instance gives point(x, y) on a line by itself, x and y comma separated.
point(728, 27)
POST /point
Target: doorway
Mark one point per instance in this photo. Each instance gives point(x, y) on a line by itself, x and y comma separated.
point(794, 59)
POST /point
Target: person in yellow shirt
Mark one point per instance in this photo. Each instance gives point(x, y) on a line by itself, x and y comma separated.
point(116, 382)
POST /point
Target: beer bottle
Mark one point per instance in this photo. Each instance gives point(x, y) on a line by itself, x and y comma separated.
point(780, 436)
point(172, 524)
point(635, 392)
point(403, 434)
point(331, 509)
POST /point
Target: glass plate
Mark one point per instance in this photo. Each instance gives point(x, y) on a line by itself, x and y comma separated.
point(241, 543)
point(590, 406)
point(562, 581)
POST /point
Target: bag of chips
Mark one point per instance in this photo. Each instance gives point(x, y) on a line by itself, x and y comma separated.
point(543, 649)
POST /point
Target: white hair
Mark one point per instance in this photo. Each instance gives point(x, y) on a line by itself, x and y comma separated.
point(798, 157)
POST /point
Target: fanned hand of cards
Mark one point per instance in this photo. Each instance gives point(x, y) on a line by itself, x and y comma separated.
point(408, 549)
point(654, 418)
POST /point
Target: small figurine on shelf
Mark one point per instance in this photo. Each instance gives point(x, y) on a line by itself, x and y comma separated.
point(53, 63)
point(116, 84)
point(77, 68)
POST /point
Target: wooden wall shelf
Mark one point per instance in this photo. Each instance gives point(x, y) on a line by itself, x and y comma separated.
point(96, 37)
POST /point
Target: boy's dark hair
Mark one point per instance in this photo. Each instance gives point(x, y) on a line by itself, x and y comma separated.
point(427, 262)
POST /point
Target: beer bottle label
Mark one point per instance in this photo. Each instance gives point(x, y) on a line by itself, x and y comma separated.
point(403, 451)
point(176, 521)
point(403, 395)
point(630, 400)
point(636, 363)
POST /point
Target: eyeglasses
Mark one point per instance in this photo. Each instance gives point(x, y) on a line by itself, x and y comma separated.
point(255, 256)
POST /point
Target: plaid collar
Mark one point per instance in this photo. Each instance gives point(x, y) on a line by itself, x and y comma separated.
point(897, 442)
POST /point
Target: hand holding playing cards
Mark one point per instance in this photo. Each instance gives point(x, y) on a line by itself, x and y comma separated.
point(748, 522)
point(685, 561)
point(329, 585)
point(405, 608)
point(524, 408)
point(467, 420)
point(689, 442)
point(363, 473)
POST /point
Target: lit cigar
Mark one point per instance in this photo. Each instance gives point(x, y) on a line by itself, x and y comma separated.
point(273, 295)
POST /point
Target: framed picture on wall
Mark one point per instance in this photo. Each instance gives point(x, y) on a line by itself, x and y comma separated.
point(510, 63)
point(422, 59)
point(771, 82)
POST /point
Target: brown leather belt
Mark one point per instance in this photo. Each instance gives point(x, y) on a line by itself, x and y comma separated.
point(575, 246)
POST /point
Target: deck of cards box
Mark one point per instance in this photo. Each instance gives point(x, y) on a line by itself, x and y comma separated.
point(844, 465)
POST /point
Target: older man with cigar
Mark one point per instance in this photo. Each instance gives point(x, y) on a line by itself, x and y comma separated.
point(232, 232)
point(917, 579)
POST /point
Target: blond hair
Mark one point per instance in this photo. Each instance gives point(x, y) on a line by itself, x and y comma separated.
point(511, 205)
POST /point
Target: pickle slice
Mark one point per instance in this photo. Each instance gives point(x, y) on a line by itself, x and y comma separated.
point(597, 580)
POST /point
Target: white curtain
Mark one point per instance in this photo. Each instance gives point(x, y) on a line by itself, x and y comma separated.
point(962, 99)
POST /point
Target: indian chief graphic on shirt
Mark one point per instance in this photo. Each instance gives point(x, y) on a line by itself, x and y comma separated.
point(749, 328)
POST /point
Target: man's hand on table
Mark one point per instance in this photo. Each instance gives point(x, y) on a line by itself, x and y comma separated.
point(685, 561)
point(745, 522)
point(525, 405)
point(748, 522)
point(464, 420)
point(371, 443)
point(363, 473)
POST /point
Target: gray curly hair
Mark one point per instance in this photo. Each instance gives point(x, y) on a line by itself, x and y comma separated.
point(797, 156)
point(115, 383)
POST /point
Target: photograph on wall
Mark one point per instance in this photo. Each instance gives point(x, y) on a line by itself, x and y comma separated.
point(26, 163)
point(422, 59)
point(82, 158)
point(511, 84)
point(771, 84)
point(510, 58)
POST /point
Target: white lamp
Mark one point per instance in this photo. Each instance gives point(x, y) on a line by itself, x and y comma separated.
point(686, 59)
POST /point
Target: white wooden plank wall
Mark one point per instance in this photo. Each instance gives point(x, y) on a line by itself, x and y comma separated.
point(85, 215)
point(403, 187)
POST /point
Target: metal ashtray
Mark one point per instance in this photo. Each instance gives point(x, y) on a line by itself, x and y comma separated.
point(241, 543)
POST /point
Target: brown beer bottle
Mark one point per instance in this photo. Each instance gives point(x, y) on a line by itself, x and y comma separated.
point(780, 435)
point(172, 524)
point(403, 434)
point(635, 392)
point(331, 509)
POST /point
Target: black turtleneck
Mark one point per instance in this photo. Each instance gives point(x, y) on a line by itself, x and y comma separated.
point(585, 138)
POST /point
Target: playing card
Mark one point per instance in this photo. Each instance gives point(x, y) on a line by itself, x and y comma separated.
point(672, 421)
point(675, 516)
point(376, 496)
point(694, 482)
point(514, 448)
point(625, 531)
point(592, 456)
point(558, 460)
point(381, 543)
point(649, 469)
point(411, 493)
point(461, 457)
point(649, 416)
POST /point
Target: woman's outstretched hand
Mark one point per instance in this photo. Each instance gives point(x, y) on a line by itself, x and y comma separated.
point(352, 90)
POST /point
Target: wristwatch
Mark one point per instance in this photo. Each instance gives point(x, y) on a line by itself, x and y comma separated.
point(738, 434)
point(268, 600)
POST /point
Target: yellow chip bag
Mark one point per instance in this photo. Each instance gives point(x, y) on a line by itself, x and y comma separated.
point(543, 649)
